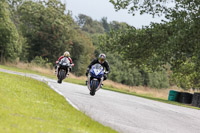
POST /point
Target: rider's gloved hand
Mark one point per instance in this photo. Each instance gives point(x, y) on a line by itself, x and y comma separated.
point(106, 72)
point(56, 64)
point(105, 75)
point(87, 72)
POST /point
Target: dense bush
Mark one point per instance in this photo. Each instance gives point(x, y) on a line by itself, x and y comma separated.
point(38, 60)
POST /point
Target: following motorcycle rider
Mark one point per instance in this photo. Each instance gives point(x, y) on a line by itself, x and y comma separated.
point(101, 60)
point(66, 54)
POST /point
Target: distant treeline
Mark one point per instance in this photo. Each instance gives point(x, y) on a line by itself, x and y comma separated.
point(40, 31)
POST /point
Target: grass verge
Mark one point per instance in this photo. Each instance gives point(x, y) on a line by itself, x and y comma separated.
point(81, 81)
point(27, 105)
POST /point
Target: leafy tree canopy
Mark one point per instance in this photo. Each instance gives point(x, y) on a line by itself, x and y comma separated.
point(175, 42)
point(10, 46)
point(46, 27)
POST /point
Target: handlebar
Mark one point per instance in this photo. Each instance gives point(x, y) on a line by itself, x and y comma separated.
point(106, 72)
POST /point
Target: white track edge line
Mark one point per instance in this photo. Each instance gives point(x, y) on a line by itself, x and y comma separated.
point(42, 80)
point(69, 101)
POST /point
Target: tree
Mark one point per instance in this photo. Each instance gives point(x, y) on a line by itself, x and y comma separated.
point(89, 25)
point(82, 51)
point(105, 24)
point(46, 27)
point(10, 46)
point(174, 42)
point(153, 7)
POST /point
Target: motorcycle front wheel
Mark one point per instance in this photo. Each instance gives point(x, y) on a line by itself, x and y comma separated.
point(94, 85)
point(61, 76)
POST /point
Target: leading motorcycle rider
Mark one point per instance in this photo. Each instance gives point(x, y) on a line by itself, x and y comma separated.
point(101, 60)
point(66, 54)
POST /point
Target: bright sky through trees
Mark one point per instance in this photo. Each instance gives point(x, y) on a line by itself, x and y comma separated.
point(103, 8)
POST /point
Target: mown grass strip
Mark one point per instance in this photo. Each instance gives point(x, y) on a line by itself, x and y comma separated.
point(82, 82)
point(27, 105)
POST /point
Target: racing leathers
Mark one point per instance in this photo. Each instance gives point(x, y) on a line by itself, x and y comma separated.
point(59, 59)
point(104, 64)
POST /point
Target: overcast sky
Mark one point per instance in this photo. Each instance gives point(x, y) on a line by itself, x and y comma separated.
point(97, 9)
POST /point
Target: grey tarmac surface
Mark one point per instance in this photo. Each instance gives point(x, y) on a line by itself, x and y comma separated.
point(126, 113)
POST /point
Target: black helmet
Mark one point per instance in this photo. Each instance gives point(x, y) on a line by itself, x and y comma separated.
point(102, 58)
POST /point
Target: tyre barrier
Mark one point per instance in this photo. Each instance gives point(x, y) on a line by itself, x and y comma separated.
point(196, 100)
point(185, 97)
point(173, 95)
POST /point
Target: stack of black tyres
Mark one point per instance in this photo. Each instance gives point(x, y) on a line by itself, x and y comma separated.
point(185, 97)
point(196, 100)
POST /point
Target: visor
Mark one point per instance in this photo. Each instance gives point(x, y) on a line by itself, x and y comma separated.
point(101, 60)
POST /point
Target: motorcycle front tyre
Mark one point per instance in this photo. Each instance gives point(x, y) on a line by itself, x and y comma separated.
point(61, 76)
point(94, 86)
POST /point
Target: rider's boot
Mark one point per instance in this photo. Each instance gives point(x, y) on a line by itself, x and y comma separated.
point(101, 85)
point(55, 69)
point(67, 74)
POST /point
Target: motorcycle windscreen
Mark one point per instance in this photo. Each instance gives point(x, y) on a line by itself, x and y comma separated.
point(65, 61)
point(97, 71)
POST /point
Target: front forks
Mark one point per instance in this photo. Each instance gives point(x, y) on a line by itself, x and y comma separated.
point(89, 83)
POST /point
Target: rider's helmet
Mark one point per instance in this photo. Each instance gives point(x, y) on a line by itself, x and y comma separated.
point(66, 54)
point(102, 58)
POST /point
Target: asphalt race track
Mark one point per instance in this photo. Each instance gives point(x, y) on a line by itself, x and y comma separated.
point(126, 113)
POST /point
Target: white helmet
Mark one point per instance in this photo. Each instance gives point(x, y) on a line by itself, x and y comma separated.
point(66, 54)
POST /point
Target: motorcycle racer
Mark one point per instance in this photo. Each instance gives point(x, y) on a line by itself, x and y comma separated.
point(66, 54)
point(101, 60)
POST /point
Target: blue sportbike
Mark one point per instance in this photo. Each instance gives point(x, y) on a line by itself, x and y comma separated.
point(95, 78)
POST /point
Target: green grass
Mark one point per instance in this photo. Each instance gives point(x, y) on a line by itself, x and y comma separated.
point(27, 105)
point(82, 82)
